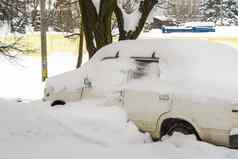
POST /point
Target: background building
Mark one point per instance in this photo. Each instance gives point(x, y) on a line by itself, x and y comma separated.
point(184, 10)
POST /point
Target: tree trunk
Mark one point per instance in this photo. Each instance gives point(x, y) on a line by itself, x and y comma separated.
point(89, 18)
point(43, 40)
point(80, 52)
point(97, 26)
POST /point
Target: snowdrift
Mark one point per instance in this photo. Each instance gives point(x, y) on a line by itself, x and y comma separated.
point(88, 130)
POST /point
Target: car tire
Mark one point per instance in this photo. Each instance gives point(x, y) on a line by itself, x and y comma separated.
point(181, 127)
point(57, 102)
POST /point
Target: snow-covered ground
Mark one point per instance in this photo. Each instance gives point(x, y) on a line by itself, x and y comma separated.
point(21, 78)
point(88, 130)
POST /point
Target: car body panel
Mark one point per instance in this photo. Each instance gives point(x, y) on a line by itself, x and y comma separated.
point(69, 96)
point(145, 107)
point(213, 120)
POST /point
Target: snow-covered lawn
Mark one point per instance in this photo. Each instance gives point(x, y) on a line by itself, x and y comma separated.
point(88, 130)
point(21, 78)
point(225, 35)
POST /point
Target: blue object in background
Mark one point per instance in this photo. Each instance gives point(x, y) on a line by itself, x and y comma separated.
point(197, 29)
point(203, 29)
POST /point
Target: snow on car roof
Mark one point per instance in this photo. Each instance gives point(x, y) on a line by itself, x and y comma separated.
point(197, 65)
point(193, 65)
point(186, 55)
point(146, 47)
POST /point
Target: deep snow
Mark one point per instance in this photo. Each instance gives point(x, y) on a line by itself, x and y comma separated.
point(88, 130)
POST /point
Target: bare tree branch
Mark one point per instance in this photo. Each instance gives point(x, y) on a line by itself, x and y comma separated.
point(13, 49)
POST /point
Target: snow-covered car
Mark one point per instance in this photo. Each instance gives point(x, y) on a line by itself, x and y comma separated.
point(165, 86)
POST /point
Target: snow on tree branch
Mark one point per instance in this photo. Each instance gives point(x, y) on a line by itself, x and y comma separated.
point(221, 12)
point(131, 13)
point(131, 16)
point(134, 13)
point(97, 5)
point(131, 23)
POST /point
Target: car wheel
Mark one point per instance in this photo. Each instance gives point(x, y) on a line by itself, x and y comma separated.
point(57, 102)
point(180, 127)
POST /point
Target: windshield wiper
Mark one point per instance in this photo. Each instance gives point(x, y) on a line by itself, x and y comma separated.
point(152, 59)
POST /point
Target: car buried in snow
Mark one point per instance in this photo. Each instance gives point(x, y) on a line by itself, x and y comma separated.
point(165, 86)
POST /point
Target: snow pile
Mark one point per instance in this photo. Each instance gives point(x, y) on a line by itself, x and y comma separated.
point(88, 130)
point(101, 125)
point(179, 138)
point(188, 146)
point(26, 122)
point(234, 131)
point(89, 121)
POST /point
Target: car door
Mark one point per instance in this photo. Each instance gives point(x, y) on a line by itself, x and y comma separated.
point(145, 107)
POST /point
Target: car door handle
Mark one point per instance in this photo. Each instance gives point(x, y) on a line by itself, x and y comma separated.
point(164, 97)
point(235, 111)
